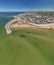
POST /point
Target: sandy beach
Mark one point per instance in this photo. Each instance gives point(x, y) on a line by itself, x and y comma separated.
point(22, 25)
point(17, 25)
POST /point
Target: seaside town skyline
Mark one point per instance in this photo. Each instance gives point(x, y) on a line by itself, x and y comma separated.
point(26, 5)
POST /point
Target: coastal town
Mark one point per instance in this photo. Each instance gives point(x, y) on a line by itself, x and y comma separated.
point(31, 18)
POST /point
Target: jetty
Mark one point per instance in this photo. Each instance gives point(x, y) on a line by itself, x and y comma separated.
point(7, 26)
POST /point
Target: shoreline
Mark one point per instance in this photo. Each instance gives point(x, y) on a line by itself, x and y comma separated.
point(18, 19)
point(9, 31)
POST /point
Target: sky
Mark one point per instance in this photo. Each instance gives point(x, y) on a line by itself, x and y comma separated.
point(26, 5)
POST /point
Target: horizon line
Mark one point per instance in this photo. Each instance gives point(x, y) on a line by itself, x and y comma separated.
point(25, 10)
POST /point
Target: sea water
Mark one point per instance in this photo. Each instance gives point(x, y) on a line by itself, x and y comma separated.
point(6, 17)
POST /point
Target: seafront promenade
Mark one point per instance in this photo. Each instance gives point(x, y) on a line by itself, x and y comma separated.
point(9, 31)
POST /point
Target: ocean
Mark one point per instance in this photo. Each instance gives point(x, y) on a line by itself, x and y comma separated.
point(6, 17)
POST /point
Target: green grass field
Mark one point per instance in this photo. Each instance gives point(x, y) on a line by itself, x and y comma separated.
point(27, 47)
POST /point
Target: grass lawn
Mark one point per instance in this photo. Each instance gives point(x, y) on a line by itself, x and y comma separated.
point(27, 47)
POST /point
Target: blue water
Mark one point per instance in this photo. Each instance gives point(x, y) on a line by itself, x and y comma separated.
point(2, 14)
point(7, 16)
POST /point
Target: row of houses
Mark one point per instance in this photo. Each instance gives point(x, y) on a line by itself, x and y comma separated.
point(37, 18)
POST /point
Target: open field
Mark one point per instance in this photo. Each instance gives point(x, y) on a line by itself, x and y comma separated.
point(27, 47)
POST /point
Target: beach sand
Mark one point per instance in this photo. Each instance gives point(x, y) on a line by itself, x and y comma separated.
point(27, 25)
point(22, 25)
